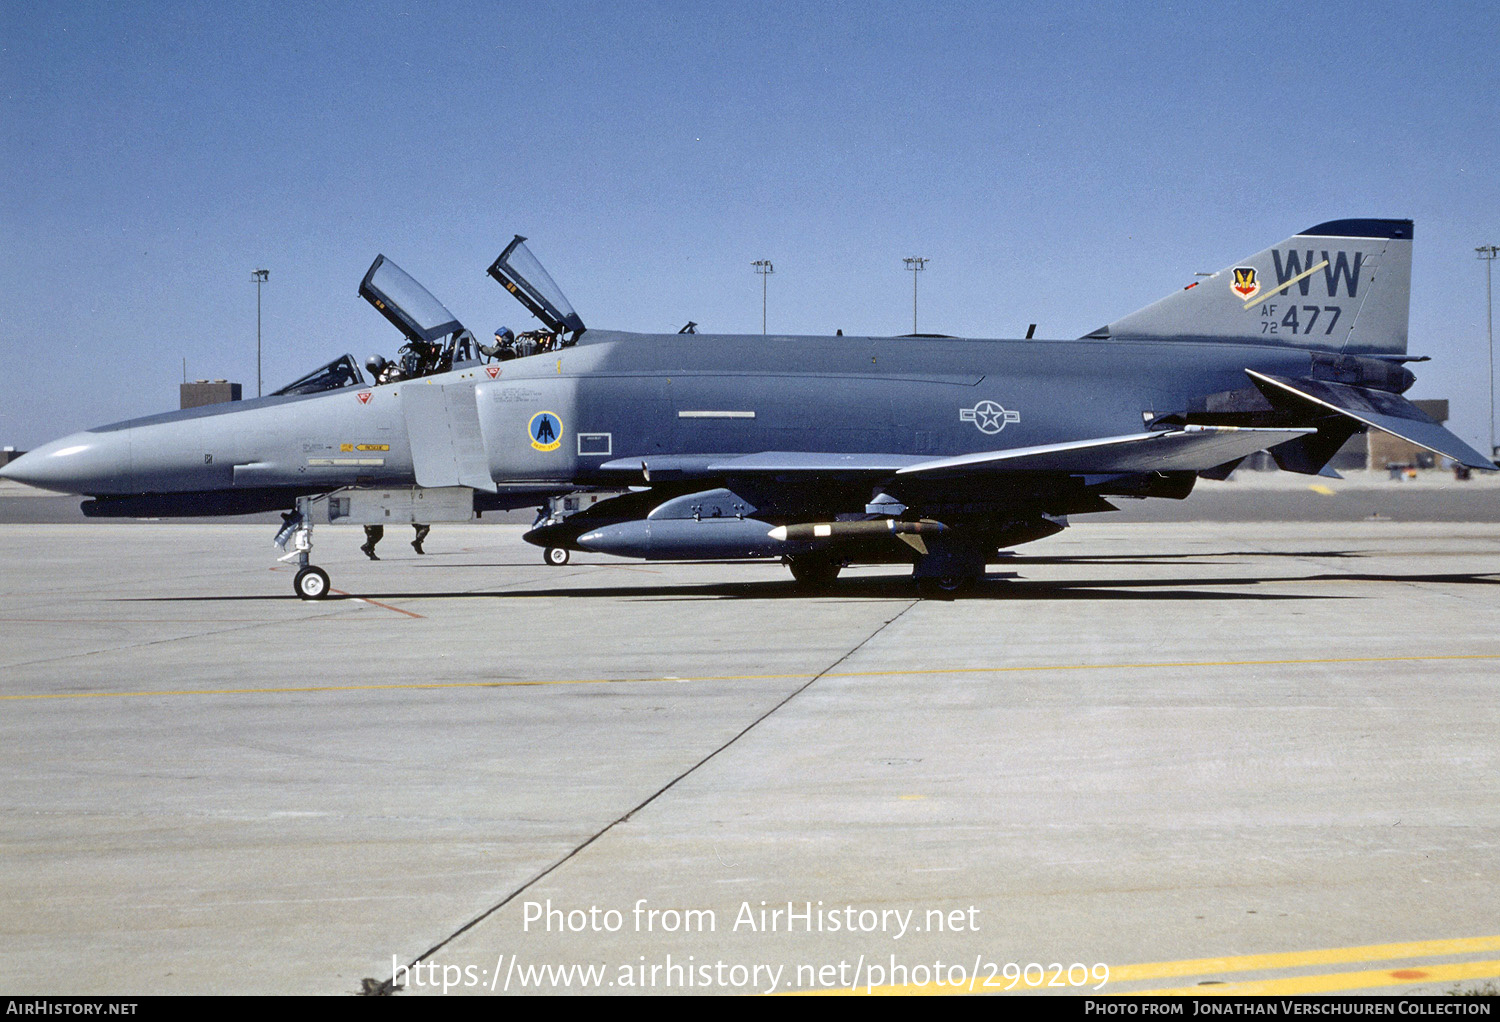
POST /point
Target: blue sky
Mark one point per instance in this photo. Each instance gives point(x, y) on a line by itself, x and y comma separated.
point(1059, 164)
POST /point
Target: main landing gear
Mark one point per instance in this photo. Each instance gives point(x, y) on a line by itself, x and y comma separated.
point(813, 571)
point(941, 587)
point(952, 564)
point(295, 537)
point(556, 556)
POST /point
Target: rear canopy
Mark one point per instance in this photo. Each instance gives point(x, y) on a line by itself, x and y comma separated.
point(519, 272)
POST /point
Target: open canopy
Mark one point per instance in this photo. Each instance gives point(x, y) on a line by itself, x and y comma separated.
point(519, 272)
point(408, 305)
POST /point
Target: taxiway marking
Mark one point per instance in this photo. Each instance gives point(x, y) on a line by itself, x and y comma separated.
point(1335, 982)
point(377, 603)
point(1295, 959)
point(924, 672)
point(1288, 985)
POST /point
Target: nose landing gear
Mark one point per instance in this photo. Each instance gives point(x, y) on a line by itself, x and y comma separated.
point(295, 537)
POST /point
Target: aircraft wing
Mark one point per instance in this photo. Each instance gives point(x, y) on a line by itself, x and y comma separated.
point(1188, 449)
point(706, 466)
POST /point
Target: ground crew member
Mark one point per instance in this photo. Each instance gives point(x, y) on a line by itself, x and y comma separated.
point(375, 533)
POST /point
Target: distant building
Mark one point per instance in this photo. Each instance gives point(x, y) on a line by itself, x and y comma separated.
point(209, 392)
point(9, 454)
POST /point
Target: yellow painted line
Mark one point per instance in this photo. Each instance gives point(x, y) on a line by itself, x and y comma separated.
point(1282, 287)
point(909, 990)
point(1295, 959)
point(1336, 981)
point(1326, 491)
point(928, 672)
point(1326, 983)
point(1167, 665)
point(280, 690)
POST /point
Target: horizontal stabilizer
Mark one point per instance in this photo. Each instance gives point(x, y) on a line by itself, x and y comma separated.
point(1189, 449)
point(1378, 408)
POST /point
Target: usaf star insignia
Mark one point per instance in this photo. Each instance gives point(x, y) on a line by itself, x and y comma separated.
point(988, 416)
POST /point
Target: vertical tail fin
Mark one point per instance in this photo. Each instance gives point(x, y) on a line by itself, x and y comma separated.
point(1343, 285)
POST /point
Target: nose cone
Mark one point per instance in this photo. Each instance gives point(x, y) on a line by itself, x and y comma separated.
point(91, 463)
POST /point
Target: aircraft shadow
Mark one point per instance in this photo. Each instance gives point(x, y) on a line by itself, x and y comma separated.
point(1193, 558)
point(1006, 559)
point(894, 587)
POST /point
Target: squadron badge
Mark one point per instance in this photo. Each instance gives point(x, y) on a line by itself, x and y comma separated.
point(1246, 283)
point(546, 431)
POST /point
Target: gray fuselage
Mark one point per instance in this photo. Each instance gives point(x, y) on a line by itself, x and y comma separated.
point(617, 396)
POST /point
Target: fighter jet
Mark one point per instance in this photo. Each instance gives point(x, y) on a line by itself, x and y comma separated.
point(928, 450)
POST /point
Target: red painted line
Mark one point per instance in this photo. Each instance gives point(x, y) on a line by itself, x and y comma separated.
point(377, 603)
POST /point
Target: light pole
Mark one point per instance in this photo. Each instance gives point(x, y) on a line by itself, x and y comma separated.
point(258, 277)
point(765, 269)
point(1487, 253)
point(915, 264)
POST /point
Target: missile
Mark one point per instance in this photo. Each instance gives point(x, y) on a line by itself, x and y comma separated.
point(683, 539)
point(910, 533)
point(688, 538)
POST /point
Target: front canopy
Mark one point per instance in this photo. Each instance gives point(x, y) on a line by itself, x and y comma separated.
point(408, 305)
point(341, 372)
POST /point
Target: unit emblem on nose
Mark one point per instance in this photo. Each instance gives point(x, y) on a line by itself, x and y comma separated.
point(546, 431)
point(988, 416)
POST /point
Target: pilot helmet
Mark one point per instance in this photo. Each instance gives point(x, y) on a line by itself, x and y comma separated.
point(375, 363)
point(504, 334)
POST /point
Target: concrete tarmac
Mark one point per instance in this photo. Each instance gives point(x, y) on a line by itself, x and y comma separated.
point(1195, 753)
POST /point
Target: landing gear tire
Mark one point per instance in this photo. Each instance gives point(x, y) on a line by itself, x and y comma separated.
point(812, 571)
point(556, 556)
point(311, 583)
point(944, 587)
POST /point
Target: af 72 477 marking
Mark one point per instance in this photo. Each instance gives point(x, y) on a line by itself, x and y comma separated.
point(1291, 323)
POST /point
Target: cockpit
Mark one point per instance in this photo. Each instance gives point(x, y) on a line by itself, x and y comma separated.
point(341, 372)
point(436, 341)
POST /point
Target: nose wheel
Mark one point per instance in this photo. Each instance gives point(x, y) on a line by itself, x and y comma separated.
point(311, 583)
point(556, 556)
point(295, 537)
